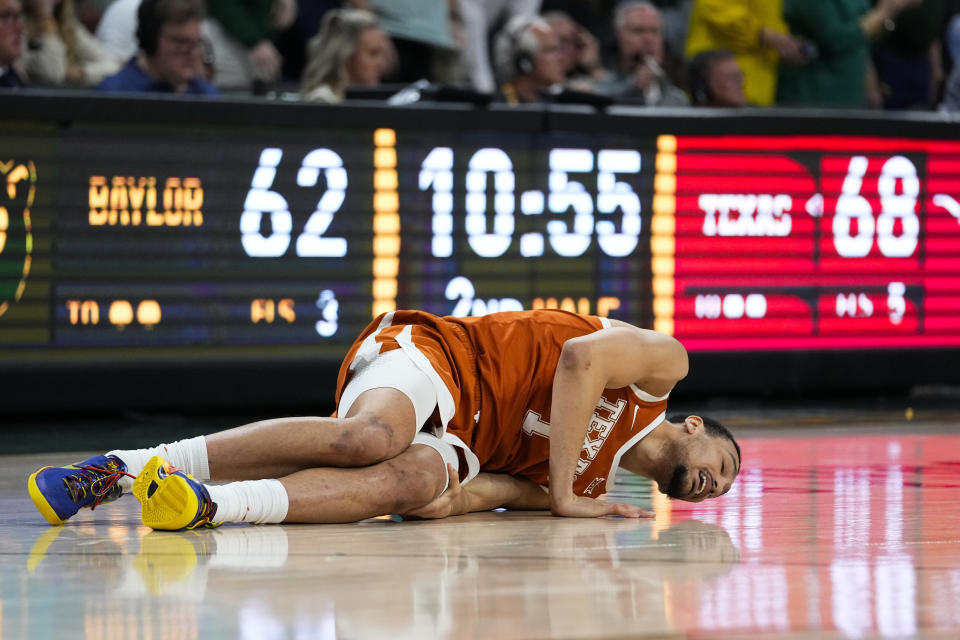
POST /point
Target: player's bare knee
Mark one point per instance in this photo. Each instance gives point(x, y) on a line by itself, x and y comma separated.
point(417, 478)
point(367, 439)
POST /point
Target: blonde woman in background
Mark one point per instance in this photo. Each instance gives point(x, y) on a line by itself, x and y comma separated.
point(350, 50)
point(60, 50)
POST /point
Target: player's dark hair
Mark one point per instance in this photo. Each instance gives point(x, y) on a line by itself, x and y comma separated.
point(712, 427)
point(153, 14)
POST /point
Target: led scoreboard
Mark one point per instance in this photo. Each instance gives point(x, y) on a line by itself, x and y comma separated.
point(157, 238)
point(822, 242)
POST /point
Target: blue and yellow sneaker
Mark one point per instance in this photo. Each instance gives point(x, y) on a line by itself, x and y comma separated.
point(171, 500)
point(59, 492)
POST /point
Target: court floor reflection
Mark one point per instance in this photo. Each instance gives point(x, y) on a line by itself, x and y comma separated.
point(824, 534)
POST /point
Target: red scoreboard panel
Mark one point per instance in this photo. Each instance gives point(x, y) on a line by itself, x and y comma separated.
point(819, 242)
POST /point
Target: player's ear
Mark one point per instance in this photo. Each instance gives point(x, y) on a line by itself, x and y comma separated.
point(693, 424)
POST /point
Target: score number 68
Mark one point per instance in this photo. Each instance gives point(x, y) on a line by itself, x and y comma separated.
point(853, 206)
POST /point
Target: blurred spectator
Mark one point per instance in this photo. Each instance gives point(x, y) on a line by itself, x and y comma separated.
point(480, 17)
point(11, 43)
point(579, 51)
point(448, 67)
point(89, 12)
point(756, 33)
point(60, 50)
point(952, 39)
point(593, 15)
point(907, 55)
point(420, 31)
point(716, 80)
point(242, 33)
point(837, 41)
point(172, 54)
point(951, 92)
point(292, 43)
point(351, 50)
point(526, 59)
point(676, 18)
point(117, 32)
point(639, 77)
point(117, 29)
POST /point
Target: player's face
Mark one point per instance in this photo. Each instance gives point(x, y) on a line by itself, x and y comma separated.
point(704, 466)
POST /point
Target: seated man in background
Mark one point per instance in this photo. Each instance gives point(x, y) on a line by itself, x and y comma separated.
point(716, 80)
point(508, 403)
point(526, 60)
point(639, 77)
point(171, 58)
point(11, 44)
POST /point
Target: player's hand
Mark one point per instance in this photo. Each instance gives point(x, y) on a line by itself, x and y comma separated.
point(451, 502)
point(583, 507)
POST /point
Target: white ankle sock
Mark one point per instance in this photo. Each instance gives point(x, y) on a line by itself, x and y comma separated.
point(188, 455)
point(253, 501)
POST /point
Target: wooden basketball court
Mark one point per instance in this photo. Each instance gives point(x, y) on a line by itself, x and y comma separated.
point(832, 530)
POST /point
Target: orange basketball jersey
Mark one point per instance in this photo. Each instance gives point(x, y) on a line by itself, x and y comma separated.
point(494, 380)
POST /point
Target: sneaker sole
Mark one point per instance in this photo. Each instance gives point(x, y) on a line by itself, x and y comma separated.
point(40, 500)
point(168, 503)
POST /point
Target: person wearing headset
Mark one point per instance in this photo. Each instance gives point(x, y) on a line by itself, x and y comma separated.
point(716, 79)
point(527, 60)
point(171, 54)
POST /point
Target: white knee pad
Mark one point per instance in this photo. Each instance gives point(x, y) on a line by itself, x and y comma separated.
point(454, 452)
point(446, 451)
point(394, 370)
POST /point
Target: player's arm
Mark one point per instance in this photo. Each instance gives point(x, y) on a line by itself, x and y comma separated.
point(612, 358)
point(485, 492)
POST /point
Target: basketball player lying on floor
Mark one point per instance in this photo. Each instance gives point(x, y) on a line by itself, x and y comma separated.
point(492, 407)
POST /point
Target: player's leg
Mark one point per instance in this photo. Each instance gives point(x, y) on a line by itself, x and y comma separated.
point(383, 407)
point(172, 500)
point(381, 410)
point(411, 480)
point(380, 425)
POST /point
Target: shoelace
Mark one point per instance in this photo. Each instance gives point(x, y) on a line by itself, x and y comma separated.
point(205, 515)
point(101, 481)
point(208, 509)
